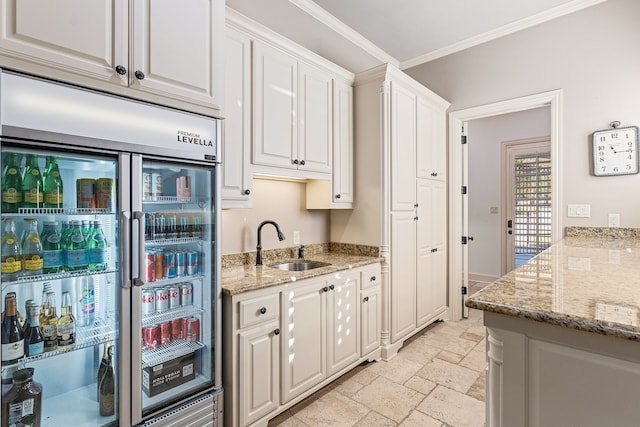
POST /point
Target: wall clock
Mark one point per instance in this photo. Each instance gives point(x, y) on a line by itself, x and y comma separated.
point(615, 150)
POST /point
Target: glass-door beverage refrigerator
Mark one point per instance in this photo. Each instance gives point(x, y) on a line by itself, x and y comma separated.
point(110, 260)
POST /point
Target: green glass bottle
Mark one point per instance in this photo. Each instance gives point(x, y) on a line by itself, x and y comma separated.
point(52, 247)
point(76, 248)
point(97, 247)
point(32, 195)
point(11, 184)
point(53, 188)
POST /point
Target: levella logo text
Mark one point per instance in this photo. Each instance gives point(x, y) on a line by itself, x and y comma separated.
point(193, 138)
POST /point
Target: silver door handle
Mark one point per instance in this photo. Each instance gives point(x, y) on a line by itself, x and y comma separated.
point(125, 242)
point(142, 271)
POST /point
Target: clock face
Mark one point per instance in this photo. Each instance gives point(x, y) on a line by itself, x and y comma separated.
point(615, 151)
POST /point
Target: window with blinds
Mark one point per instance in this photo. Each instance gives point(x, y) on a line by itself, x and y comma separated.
point(532, 222)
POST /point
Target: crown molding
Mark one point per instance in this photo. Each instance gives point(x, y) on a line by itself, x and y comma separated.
point(539, 18)
point(344, 30)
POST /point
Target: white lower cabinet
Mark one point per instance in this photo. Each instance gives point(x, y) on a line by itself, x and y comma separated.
point(285, 342)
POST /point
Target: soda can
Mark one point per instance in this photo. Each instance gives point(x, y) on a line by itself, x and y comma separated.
point(181, 264)
point(104, 194)
point(151, 337)
point(85, 193)
point(165, 333)
point(150, 265)
point(160, 229)
point(174, 297)
point(148, 302)
point(193, 267)
point(193, 329)
point(186, 294)
point(185, 327)
point(161, 299)
point(169, 265)
point(146, 185)
point(156, 186)
point(176, 329)
point(159, 265)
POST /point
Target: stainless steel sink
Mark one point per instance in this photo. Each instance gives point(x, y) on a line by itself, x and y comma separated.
point(299, 265)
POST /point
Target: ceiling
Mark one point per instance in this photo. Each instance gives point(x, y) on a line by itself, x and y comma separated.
point(361, 34)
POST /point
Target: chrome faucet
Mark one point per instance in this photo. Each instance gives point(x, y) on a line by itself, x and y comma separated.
point(259, 247)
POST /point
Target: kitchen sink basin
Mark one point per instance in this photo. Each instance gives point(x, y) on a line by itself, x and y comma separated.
point(299, 265)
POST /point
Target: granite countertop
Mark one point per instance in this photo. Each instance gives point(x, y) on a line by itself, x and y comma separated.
point(587, 281)
point(237, 279)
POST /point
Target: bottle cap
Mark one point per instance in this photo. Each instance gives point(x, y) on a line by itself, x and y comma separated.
point(22, 375)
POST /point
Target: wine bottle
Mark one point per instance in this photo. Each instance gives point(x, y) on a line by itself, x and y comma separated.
point(53, 187)
point(33, 337)
point(32, 196)
point(11, 184)
point(50, 324)
point(52, 248)
point(104, 363)
point(66, 324)
point(107, 388)
point(11, 335)
point(11, 252)
point(32, 254)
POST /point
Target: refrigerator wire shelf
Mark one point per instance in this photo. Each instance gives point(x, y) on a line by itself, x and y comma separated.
point(169, 351)
point(56, 276)
point(165, 316)
point(164, 199)
point(176, 241)
point(63, 211)
point(86, 336)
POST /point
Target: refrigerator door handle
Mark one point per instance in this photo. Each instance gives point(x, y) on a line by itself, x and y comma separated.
point(125, 226)
point(140, 278)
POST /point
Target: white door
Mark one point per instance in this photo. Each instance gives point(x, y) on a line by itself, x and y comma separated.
point(526, 173)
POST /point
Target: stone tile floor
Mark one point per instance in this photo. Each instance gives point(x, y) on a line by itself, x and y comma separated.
point(436, 379)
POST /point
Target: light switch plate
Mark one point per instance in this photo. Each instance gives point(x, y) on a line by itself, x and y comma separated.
point(579, 211)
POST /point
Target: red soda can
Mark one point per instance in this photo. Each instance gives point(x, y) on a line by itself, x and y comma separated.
point(165, 333)
point(176, 329)
point(151, 337)
point(185, 327)
point(186, 294)
point(150, 264)
point(193, 329)
point(148, 302)
point(159, 265)
point(161, 299)
point(174, 297)
point(181, 264)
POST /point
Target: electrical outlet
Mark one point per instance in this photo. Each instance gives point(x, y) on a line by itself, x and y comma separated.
point(296, 237)
point(614, 220)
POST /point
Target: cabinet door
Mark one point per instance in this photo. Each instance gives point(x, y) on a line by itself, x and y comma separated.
point(431, 140)
point(403, 148)
point(343, 329)
point(370, 320)
point(177, 46)
point(89, 38)
point(342, 143)
point(259, 376)
point(403, 274)
point(304, 346)
point(275, 89)
point(315, 119)
point(236, 144)
point(431, 283)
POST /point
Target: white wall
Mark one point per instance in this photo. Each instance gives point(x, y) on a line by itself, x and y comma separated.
point(485, 137)
point(592, 55)
point(280, 201)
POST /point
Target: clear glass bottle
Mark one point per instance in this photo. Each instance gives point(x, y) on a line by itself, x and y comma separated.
point(32, 254)
point(86, 313)
point(97, 248)
point(53, 187)
point(22, 405)
point(76, 248)
point(11, 252)
point(11, 184)
point(52, 248)
point(66, 324)
point(32, 195)
point(49, 323)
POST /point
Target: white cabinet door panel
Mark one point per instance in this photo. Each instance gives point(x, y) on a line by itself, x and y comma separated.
point(403, 148)
point(403, 271)
point(315, 119)
point(343, 334)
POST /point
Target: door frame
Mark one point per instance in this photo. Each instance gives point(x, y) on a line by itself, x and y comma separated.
point(458, 278)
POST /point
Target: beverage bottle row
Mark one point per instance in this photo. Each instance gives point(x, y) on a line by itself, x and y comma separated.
point(78, 245)
point(30, 188)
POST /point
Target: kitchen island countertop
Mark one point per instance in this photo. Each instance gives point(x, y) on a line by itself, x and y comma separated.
point(587, 281)
point(244, 278)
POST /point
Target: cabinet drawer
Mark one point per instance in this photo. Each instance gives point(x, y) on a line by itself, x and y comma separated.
point(370, 277)
point(257, 310)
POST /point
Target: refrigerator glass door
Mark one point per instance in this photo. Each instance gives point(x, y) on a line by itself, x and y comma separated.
point(175, 283)
point(64, 272)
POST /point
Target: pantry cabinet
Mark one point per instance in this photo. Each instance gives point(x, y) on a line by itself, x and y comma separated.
point(285, 342)
point(133, 48)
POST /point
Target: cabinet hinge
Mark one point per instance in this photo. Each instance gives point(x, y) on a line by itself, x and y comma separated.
point(464, 290)
point(463, 139)
point(463, 190)
point(464, 240)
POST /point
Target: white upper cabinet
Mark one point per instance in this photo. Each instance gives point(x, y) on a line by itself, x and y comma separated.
point(403, 148)
point(431, 131)
point(342, 143)
point(91, 43)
